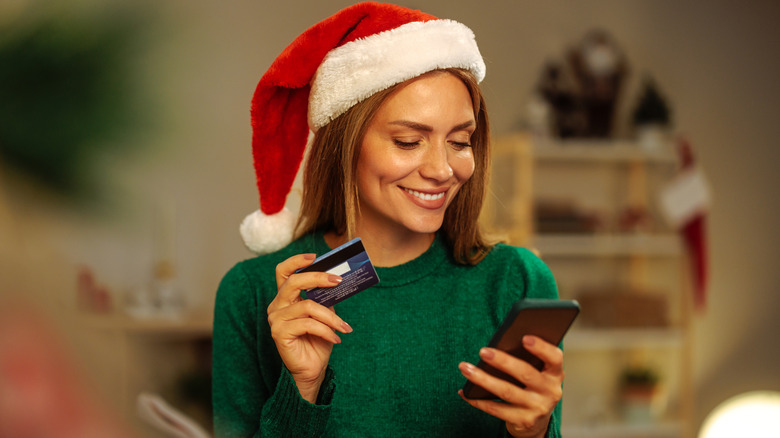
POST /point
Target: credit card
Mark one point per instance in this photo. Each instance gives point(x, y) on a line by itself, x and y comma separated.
point(351, 262)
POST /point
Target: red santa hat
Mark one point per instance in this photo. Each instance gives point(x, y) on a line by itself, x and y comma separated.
point(338, 62)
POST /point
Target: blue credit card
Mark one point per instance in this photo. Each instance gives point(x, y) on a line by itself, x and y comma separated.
point(351, 262)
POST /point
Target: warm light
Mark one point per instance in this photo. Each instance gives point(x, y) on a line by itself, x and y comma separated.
point(749, 414)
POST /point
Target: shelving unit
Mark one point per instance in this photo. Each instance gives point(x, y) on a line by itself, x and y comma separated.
point(604, 179)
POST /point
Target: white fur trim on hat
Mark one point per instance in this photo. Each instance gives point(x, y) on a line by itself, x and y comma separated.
point(361, 68)
point(263, 234)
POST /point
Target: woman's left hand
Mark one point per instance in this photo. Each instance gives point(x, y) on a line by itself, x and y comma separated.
point(527, 410)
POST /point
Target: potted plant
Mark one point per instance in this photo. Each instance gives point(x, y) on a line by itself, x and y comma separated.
point(639, 388)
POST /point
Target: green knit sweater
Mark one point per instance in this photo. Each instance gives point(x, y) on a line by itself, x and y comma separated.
point(397, 373)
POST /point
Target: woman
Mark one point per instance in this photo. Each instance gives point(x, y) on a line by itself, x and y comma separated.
point(399, 158)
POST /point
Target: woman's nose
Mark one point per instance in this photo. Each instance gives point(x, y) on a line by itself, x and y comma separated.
point(436, 163)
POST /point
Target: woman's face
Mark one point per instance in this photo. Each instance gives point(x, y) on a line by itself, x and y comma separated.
point(415, 156)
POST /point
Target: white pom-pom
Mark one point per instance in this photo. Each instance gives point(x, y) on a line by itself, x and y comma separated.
point(263, 234)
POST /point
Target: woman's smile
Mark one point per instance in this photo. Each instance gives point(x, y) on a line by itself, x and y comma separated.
point(427, 199)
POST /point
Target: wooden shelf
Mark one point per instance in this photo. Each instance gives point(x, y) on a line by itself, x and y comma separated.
point(623, 338)
point(184, 326)
point(595, 245)
point(600, 151)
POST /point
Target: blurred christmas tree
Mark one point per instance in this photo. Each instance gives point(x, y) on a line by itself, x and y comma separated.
point(651, 107)
point(67, 95)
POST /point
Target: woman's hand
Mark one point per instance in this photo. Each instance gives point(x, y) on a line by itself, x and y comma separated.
point(527, 410)
point(303, 330)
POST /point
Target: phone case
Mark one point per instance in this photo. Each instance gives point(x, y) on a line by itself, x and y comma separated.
point(547, 319)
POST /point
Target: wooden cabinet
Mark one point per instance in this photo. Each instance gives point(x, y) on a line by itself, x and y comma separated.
point(168, 357)
point(589, 209)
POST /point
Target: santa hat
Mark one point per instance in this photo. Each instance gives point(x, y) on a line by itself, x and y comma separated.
point(338, 62)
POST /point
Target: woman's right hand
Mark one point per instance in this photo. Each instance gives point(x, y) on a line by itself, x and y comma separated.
point(303, 330)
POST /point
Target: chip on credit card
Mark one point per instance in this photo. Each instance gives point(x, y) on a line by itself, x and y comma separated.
point(351, 262)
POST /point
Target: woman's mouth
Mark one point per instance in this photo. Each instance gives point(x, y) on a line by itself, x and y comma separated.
point(425, 196)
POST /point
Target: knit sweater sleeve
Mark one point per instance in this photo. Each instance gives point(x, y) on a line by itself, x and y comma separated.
point(537, 277)
point(253, 394)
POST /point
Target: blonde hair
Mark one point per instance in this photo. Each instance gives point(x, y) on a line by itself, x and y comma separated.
point(330, 199)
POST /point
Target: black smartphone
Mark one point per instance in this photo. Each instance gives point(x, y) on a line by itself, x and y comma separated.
point(547, 319)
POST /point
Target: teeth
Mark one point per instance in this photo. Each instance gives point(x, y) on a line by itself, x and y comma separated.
point(426, 196)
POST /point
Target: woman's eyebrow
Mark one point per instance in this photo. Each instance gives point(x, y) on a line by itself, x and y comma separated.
point(462, 126)
point(413, 125)
point(426, 128)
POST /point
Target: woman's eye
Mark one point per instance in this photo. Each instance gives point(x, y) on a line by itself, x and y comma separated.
point(461, 145)
point(406, 144)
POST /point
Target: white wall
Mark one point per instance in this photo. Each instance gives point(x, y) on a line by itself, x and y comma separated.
point(715, 60)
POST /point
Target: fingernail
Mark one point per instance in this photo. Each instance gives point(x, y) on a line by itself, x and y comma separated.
point(529, 341)
point(338, 339)
point(310, 256)
point(467, 369)
point(347, 328)
point(334, 278)
point(486, 353)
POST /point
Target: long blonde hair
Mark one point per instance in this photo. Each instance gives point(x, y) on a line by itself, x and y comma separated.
point(330, 200)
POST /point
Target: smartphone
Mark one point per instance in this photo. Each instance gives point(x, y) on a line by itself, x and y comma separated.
point(547, 319)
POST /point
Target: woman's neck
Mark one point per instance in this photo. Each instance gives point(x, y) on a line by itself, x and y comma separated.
point(387, 249)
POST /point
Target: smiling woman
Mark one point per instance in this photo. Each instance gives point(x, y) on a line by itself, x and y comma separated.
point(398, 157)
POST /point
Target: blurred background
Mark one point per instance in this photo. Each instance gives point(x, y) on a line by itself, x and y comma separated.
point(125, 170)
